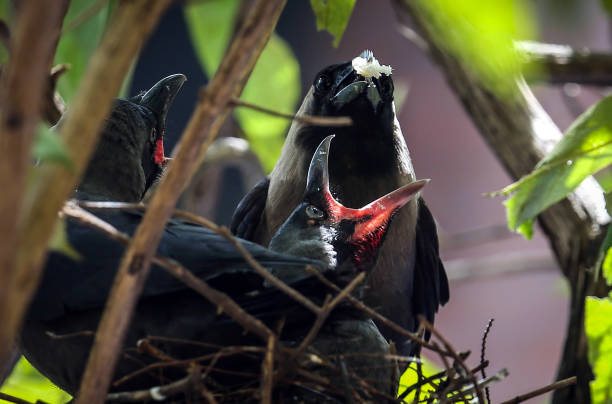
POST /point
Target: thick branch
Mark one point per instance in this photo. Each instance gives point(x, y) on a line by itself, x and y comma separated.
point(131, 24)
point(520, 133)
point(23, 84)
point(559, 64)
point(210, 113)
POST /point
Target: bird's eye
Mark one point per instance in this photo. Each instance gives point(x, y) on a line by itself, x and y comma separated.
point(314, 213)
point(323, 83)
point(153, 135)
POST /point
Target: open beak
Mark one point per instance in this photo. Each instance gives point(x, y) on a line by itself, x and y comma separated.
point(374, 217)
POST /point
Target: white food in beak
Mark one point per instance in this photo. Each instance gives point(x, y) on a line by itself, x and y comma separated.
point(370, 67)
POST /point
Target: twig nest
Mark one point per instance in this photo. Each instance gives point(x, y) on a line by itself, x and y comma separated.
point(369, 67)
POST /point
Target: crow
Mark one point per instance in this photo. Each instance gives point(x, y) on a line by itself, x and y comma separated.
point(335, 240)
point(129, 156)
point(370, 159)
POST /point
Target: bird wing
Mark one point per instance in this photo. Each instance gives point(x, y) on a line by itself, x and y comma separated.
point(70, 284)
point(249, 210)
point(430, 288)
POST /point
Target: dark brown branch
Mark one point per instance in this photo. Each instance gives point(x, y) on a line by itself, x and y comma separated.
point(223, 302)
point(455, 355)
point(307, 119)
point(560, 64)
point(16, 400)
point(21, 94)
point(267, 372)
point(361, 306)
point(224, 232)
point(157, 393)
point(554, 386)
point(483, 348)
point(211, 111)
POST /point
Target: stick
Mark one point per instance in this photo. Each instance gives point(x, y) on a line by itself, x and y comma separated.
point(554, 386)
point(307, 119)
point(201, 130)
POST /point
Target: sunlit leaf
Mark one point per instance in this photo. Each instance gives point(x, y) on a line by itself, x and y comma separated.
point(59, 241)
point(274, 83)
point(49, 148)
point(26, 383)
point(481, 34)
point(77, 44)
point(585, 149)
point(410, 378)
point(598, 327)
point(210, 25)
point(333, 16)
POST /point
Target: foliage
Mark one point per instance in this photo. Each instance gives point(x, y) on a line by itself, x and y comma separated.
point(585, 149)
point(78, 42)
point(276, 74)
point(333, 16)
point(49, 147)
point(26, 383)
point(410, 378)
point(482, 34)
point(598, 327)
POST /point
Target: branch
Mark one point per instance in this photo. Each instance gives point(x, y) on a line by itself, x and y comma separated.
point(307, 119)
point(23, 84)
point(554, 386)
point(211, 111)
point(559, 64)
point(520, 132)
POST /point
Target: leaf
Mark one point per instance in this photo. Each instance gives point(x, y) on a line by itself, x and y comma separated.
point(49, 147)
point(210, 25)
point(410, 377)
point(598, 328)
point(76, 46)
point(585, 149)
point(607, 6)
point(274, 83)
point(59, 241)
point(333, 16)
point(28, 384)
point(482, 35)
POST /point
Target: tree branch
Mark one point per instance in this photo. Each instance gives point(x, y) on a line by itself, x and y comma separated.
point(23, 84)
point(559, 64)
point(131, 24)
point(520, 133)
point(211, 111)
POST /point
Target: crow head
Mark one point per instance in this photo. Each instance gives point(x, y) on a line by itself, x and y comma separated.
point(368, 145)
point(157, 101)
point(322, 228)
point(130, 152)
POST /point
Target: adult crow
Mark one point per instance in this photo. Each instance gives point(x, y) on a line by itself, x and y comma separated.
point(336, 240)
point(370, 159)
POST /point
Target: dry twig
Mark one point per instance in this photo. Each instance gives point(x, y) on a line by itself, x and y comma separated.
point(307, 119)
point(554, 386)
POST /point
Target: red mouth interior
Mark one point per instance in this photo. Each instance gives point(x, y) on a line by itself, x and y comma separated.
point(159, 152)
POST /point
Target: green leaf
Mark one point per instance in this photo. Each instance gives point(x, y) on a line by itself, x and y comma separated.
point(77, 45)
point(59, 241)
point(49, 147)
point(481, 34)
point(598, 327)
point(585, 149)
point(210, 25)
point(333, 16)
point(607, 6)
point(410, 377)
point(28, 384)
point(274, 83)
